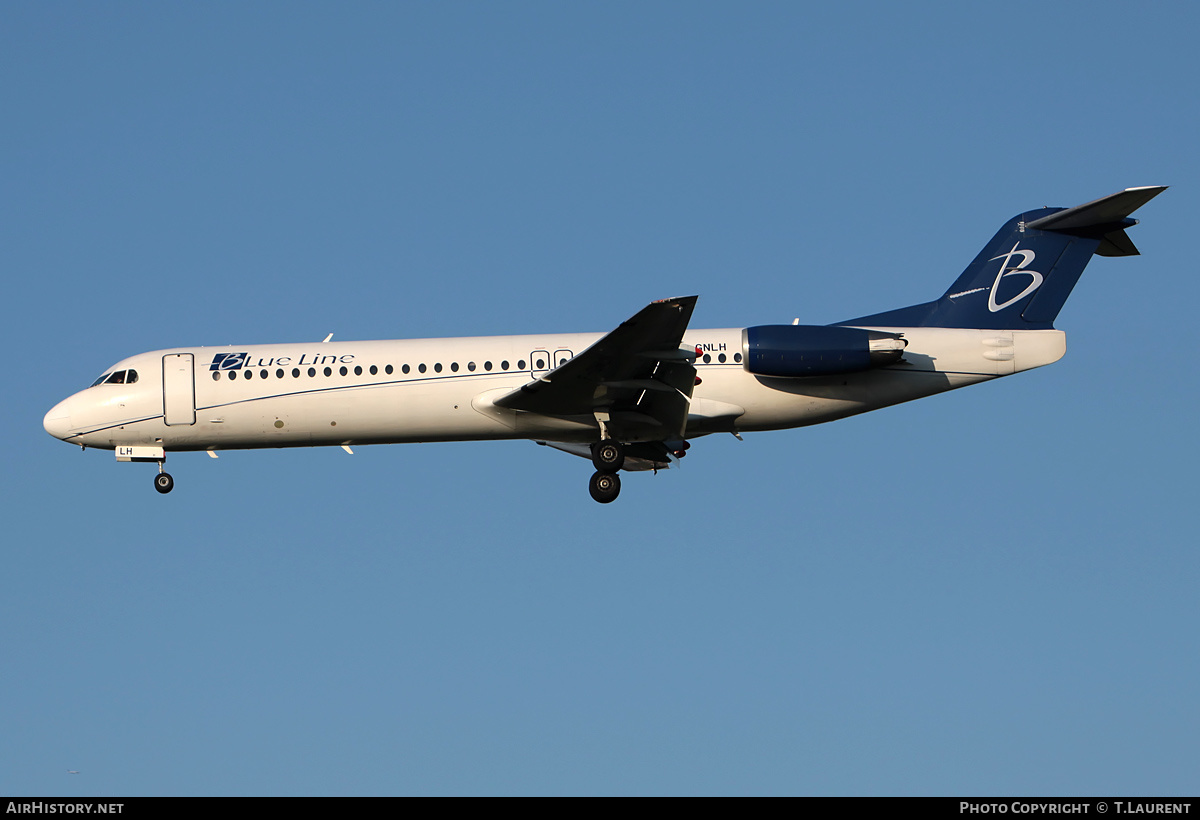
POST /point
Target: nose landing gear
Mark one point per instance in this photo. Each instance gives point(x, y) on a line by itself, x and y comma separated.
point(164, 483)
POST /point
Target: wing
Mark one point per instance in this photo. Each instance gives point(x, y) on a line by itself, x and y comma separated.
point(636, 378)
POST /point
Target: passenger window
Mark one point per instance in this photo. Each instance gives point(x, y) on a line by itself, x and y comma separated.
point(737, 357)
point(520, 364)
point(232, 374)
point(437, 368)
point(328, 371)
point(248, 374)
point(388, 370)
point(216, 375)
point(471, 366)
point(504, 365)
point(295, 372)
point(721, 358)
point(707, 358)
point(487, 365)
point(343, 370)
point(357, 370)
point(454, 367)
point(374, 370)
point(312, 371)
point(421, 367)
point(279, 373)
point(405, 369)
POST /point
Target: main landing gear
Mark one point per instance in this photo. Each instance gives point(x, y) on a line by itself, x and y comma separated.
point(608, 455)
point(605, 487)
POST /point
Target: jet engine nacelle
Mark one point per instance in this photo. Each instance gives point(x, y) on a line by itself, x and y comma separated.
point(793, 351)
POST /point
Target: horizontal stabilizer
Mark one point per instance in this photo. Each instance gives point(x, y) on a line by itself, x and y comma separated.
point(1105, 219)
point(1106, 210)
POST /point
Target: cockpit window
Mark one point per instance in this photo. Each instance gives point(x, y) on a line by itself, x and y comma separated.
point(117, 377)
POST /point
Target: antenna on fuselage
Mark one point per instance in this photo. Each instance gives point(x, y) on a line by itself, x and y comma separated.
point(327, 338)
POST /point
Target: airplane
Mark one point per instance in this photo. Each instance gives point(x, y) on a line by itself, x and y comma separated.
point(632, 399)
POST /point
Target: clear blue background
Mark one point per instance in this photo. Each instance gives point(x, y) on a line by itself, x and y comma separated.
point(991, 591)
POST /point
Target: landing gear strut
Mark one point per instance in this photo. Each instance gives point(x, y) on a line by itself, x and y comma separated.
point(605, 487)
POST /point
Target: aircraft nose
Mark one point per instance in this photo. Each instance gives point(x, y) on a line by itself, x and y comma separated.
point(58, 421)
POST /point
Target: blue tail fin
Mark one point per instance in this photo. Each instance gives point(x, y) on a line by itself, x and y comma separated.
point(1023, 276)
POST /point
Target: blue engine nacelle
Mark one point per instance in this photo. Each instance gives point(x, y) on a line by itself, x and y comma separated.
point(792, 351)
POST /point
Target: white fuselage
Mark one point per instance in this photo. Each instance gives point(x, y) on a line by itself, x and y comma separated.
point(343, 393)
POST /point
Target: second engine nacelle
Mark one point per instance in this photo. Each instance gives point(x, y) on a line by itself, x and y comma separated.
point(793, 351)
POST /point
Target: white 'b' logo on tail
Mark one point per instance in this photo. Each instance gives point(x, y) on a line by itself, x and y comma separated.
point(1005, 270)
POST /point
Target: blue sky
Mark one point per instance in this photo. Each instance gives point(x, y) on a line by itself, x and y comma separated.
point(986, 592)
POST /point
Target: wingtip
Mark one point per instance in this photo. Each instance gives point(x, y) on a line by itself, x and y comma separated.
point(1146, 192)
point(687, 303)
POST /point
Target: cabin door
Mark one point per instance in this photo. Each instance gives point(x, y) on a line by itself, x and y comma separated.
point(179, 389)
